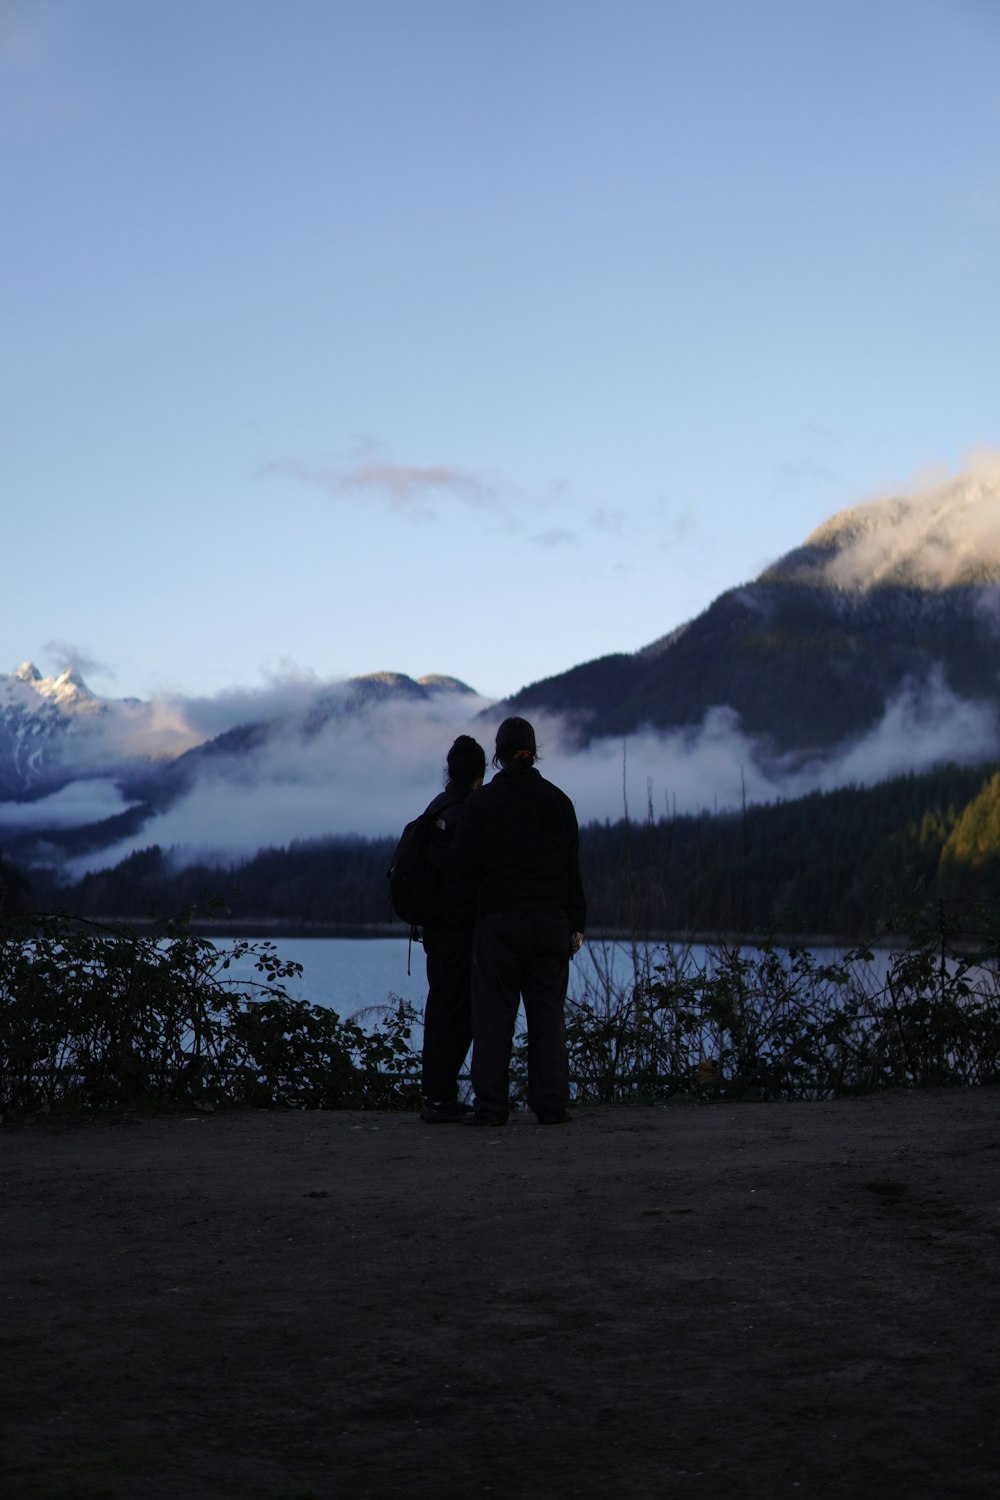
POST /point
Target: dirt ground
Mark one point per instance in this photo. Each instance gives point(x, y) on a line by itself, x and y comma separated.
point(727, 1300)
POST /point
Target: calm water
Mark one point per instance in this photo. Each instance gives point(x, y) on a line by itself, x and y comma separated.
point(358, 974)
point(352, 974)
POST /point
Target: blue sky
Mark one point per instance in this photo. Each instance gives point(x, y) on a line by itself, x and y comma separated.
point(469, 337)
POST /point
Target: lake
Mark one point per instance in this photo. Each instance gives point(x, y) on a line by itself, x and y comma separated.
point(357, 974)
point(350, 974)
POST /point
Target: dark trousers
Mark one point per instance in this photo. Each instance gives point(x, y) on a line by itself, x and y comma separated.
point(448, 1012)
point(520, 955)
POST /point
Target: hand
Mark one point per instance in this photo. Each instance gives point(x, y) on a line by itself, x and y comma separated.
point(575, 942)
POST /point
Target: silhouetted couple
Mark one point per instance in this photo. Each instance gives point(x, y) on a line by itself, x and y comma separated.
point(514, 913)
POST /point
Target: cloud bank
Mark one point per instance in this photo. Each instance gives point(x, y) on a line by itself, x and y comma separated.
point(363, 755)
point(366, 772)
point(369, 772)
point(80, 802)
point(945, 534)
point(714, 765)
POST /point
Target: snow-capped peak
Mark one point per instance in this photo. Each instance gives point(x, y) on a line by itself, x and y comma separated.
point(66, 689)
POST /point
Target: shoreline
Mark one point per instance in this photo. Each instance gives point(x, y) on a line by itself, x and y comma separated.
point(268, 927)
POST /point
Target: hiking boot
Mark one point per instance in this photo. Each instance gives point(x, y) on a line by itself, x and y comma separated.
point(561, 1119)
point(438, 1112)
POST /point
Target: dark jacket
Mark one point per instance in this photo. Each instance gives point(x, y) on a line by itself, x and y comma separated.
point(518, 846)
point(446, 810)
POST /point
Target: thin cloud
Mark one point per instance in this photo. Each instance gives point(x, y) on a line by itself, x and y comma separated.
point(403, 487)
point(556, 536)
point(670, 525)
point(605, 520)
point(805, 474)
point(65, 654)
point(680, 525)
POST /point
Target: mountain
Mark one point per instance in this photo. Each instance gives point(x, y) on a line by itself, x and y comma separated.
point(233, 754)
point(54, 730)
point(41, 719)
point(79, 773)
point(871, 649)
point(893, 598)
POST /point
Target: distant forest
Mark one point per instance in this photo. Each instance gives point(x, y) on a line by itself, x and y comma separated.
point(848, 863)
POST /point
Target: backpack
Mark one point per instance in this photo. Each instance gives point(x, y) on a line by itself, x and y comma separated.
point(415, 887)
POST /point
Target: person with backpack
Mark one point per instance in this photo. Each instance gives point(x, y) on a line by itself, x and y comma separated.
point(445, 913)
point(517, 845)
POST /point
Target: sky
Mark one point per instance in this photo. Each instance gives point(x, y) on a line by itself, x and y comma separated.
point(470, 338)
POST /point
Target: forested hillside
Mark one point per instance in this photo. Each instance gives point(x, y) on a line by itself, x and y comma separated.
point(805, 667)
point(336, 880)
point(970, 859)
point(843, 862)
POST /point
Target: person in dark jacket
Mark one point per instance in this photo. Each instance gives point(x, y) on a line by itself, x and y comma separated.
point(517, 846)
point(448, 947)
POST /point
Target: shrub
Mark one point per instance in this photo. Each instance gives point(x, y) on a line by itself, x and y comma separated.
point(96, 1017)
point(772, 1021)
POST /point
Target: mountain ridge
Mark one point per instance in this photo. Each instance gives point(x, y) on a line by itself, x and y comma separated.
point(879, 600)
point(885, 621)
